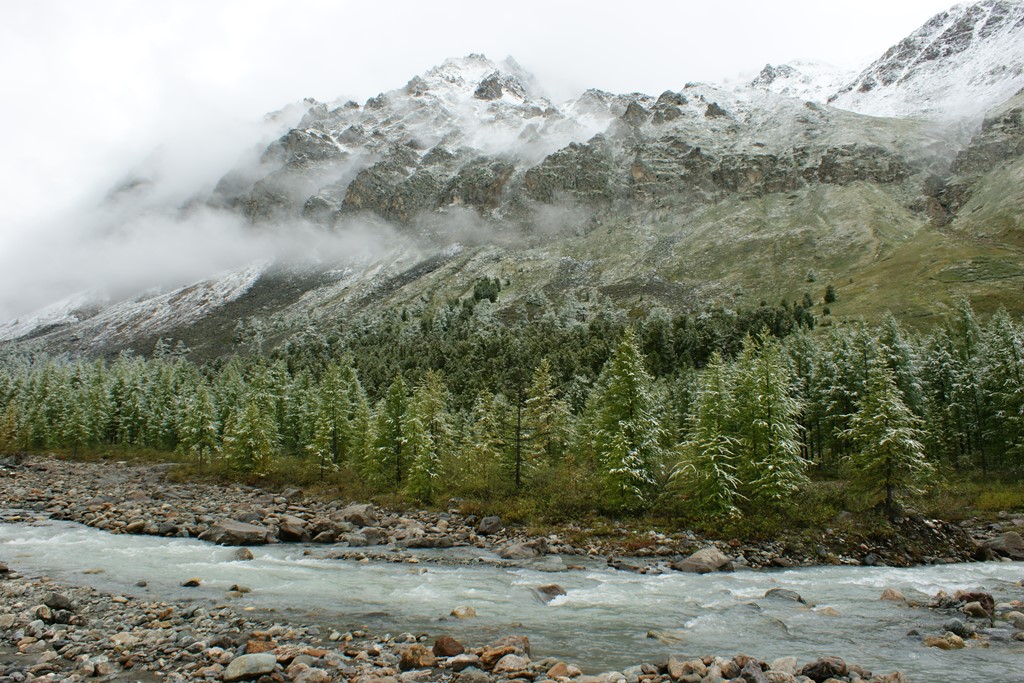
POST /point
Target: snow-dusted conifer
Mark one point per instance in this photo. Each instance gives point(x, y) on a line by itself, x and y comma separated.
point(626, 432)
point(429, 436)
point(770, 465)
point(707, 466)
point(887, 460)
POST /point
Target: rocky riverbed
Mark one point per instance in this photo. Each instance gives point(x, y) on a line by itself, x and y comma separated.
point(51, 632)
point(67, 632)
point(139, 499)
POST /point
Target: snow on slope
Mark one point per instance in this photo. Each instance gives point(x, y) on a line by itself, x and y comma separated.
point(961, 63)
point(494, 108)
point(68, 311)
point(94, 323)
point(805, 80)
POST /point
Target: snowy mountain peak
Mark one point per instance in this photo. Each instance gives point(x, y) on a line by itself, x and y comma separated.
point(958, 64)
point(477, 76)
point(805, 80)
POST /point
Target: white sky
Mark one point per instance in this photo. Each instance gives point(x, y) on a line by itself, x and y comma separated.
point(90, 88)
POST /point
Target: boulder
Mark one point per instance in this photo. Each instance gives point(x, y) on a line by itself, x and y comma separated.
point(57, 601)
point(984, 600)
point(463, 661)
point(362, 514)
point(231, 532)
point(753, 673)
point(947, 641)
point(293, 529)
point(785, 594)
point(548, 592)
point(824, 669)
point(785, 665)
point(893, 595)
point(250, 666)
point(356, 540)
point(523, 551)
point(563, 670)
point(959, 628)
point(416, 657)
point(521, 644)
point(446, 646)
point(490, 525)
point(463, 612)
point(1016, 618)
point(374, 535)
point(242, 555)
point(679, 666)
point(511, 663)
point(976, 610)
point(706, 560)
point(472, 675)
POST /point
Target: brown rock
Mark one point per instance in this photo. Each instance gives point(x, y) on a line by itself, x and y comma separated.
point(463, 661)
point(511, 663)
point(679, 666)
point(948, 641)
point(490, 656)
point(824, 669)
point(520, 643)
point(416, 657)
point(257, 646)
point(446, 646)
point(893, 595)
point(563, 670)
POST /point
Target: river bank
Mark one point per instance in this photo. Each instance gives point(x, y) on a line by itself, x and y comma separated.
point(55, 632)
point(140, 499)
point(56, 629)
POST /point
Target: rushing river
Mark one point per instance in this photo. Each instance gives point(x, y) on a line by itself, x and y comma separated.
point(601, 624)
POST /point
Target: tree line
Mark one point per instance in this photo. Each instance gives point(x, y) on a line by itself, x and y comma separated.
point(581, 412)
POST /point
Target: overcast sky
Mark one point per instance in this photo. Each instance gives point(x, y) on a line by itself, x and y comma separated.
point(91, 88)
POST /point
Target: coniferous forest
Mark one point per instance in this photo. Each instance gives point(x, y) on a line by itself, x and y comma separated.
point(719, 415)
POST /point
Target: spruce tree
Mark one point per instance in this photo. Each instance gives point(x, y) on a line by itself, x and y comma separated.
point(887, 460)
point(390, 458)
point(197, 426)
point(483, 456)
point(252, 437)
point(428, 435)
point(548, 421)
point(626, 433)
point(770, 465)
point(707, 466)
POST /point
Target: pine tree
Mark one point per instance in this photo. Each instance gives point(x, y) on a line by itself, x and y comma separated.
point(707, 467)
point(626, 433)
point(887, 460)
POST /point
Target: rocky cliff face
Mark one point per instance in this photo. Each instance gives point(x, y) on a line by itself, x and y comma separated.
point(468, 134)
point(959, 64)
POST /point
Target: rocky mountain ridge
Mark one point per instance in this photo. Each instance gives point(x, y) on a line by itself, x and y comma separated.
point(701, 196)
